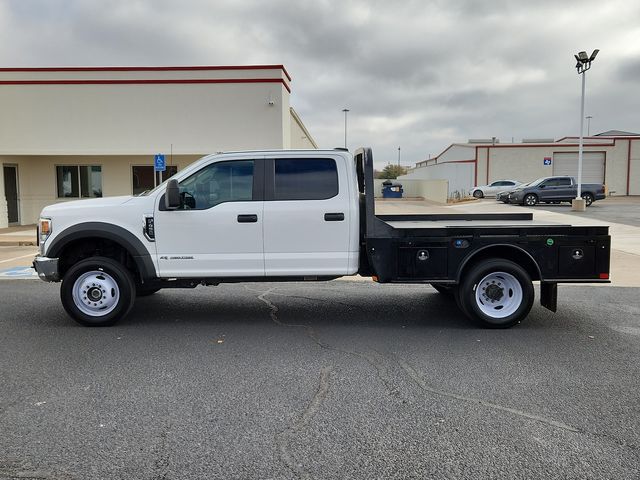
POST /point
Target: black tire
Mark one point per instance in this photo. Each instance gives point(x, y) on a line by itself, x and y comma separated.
point(117, 287)
point(588, 199)
point(530, 199)
point(514, 294)
point(478, 194)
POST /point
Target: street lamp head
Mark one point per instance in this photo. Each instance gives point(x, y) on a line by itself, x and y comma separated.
point(593, 55)
point(583, 57)
point(345, 110)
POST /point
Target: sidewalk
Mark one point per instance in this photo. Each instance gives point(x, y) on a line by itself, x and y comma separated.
point(24, 235)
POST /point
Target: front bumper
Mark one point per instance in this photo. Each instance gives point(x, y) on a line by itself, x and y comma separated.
point(47, 268)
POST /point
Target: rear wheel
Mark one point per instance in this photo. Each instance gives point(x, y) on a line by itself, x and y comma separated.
point(478, 194)
point(97, 291)
point(530, 199)
point(496, 293)
point(588, 199)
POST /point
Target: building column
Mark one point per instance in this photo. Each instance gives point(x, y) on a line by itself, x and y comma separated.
point(4, 213)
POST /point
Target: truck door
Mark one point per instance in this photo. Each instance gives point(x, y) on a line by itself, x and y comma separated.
point(548, 190)
point(307, 216)
point(217, 232)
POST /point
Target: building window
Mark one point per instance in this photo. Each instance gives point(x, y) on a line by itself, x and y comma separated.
point(218, 183)
point(302, 179)
point(79, 181)
point(142, 176)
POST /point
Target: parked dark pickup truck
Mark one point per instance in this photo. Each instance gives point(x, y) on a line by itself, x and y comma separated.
point(553, 190)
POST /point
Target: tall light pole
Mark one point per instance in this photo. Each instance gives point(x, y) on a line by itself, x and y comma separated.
point(583, 64)
point(345, 110)
point(398, 156)
point(588, 117)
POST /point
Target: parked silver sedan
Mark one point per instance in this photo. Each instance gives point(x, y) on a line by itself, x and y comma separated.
point(494, 188)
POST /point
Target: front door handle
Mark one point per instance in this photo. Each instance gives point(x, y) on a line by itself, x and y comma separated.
point(247, 218)
point(333, 217)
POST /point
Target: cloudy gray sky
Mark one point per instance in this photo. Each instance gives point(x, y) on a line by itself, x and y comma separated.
point(415, 74)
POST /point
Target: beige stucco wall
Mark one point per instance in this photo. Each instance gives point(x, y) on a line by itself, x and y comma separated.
point(634, 177)
point(251, 112)
point(300, 136)
point(526, 164)
point(432, 190)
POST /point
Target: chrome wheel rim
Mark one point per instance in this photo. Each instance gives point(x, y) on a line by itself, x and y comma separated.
point(530, 200)
point(95, 293)
point(587, 200)
point(499, 295)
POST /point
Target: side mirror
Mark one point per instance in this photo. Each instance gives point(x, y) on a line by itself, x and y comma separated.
point(172, 195)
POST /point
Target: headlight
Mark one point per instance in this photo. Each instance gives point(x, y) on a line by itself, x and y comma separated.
point(44, 229)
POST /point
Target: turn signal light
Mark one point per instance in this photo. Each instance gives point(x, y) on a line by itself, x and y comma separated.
point(604, 276)
point(45, 229)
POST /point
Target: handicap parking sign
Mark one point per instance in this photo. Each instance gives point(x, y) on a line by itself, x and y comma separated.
point(159, 163)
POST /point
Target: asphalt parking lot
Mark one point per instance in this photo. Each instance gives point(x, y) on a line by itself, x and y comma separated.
point(343, 379)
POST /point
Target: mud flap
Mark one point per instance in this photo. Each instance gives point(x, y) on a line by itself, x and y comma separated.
point(549, 295)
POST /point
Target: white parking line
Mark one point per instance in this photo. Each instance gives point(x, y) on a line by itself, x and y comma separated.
point(18, 258)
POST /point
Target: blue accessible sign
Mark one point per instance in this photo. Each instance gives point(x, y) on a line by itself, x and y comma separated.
point(547, 161)
point(159, 165)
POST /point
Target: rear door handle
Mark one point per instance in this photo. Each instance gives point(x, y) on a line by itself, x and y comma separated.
point(247, 218)
point(333, 217)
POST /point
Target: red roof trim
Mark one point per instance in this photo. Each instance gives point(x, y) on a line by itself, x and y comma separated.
point(146, 69)
point(142, 82)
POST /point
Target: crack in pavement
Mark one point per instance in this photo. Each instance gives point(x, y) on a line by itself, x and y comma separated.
point(283, 438)
point(419, 381)
point(313, 335)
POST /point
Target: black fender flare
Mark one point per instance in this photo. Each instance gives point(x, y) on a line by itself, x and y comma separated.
point(475, 253)
point(123, 237)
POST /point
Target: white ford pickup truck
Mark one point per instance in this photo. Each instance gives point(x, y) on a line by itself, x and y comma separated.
point(301, 216)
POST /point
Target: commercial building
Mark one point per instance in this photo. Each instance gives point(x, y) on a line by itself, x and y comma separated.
point(612, 158)
point(71, 133)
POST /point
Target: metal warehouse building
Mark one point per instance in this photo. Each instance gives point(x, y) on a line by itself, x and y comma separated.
point(612, 158)
point(71, 133)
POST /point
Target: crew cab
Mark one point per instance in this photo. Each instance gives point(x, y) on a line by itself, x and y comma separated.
point(553, 190)
point(305, 215)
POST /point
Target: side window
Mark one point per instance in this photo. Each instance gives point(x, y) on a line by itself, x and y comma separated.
point(551, 183)
point(305, 179)
point(218, 183)
point(564, 182)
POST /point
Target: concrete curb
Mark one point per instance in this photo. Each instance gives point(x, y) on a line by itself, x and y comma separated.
point(17, 243)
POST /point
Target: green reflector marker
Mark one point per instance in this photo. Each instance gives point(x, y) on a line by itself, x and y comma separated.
point(549, 241)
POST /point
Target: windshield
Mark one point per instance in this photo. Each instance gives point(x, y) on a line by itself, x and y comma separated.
point(534, 183)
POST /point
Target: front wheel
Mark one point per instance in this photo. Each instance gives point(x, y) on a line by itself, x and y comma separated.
point(478, 194)
point(496, 293)
point(588, 199)
point(530, 199)
point(97, 291)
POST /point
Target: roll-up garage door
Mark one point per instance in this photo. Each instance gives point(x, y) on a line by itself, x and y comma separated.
point(592, 165)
